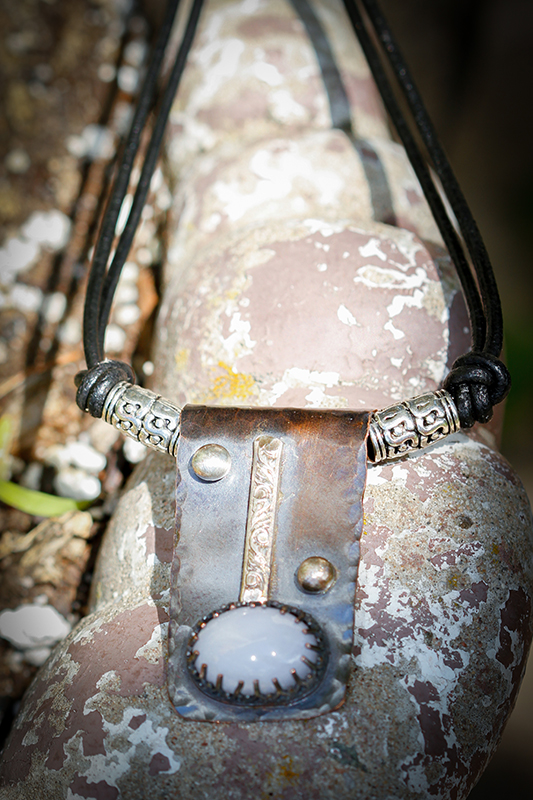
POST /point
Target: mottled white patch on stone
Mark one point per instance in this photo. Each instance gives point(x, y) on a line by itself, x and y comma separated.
point(372, 248)
point(196, 135)
point(134, 551)
point(399, 473)
point(386, 278)
point(317, 398)
point(415, 774)
point(239, 342)
point(257, 257)
point(296, 377)
point(284, 107)
point(124, 745)
point(401, 301)
point(155, 647)
point(268, 73)
point(277, 173)
point(408, 245)
point(331, 724)
point(398, 334)
point(346, 316)
point(435, 368)
point(212, 222)
point(324, 228)
point(219, 61)
point(373, 475)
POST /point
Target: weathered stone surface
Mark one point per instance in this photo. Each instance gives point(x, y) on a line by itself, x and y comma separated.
point(443, 608)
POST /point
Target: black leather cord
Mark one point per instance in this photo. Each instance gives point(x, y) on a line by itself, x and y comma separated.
point(93, 299)
point(150, 161)
point(467, 225)
point(101, 375)
point(94, 384)
point(478, 380)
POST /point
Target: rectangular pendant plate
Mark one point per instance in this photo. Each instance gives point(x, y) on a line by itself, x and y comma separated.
point(293, 491)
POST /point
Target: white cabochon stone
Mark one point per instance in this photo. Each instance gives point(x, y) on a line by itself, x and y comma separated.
point(251, 643)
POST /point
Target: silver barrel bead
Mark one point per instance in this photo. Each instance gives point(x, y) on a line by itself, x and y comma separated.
point(145, 416)
point(412, 425)
point(393, 432)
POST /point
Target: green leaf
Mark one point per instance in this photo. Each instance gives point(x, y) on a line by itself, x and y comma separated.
point(6, 436)
point(39, 504)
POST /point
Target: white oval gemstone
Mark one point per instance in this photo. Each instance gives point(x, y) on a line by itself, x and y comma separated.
point(252, 643)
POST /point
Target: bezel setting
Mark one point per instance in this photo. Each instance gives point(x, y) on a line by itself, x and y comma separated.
point(281, 696)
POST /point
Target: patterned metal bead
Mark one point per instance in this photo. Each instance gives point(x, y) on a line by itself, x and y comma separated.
point(143, 415)
point(412, 425)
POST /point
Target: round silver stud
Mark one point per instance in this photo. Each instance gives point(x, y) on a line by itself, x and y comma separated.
point(211, 462)
point(316, 574)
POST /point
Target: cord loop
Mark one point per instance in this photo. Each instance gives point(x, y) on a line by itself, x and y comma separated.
point(95, 384)
point(477, 382)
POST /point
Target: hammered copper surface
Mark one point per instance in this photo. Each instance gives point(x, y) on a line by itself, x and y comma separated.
point(319, 513)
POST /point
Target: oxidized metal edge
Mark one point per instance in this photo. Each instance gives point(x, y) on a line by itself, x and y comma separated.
point(334, 443)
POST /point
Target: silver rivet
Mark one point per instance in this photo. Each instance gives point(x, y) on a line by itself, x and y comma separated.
point(211, 462)
point(316, 574)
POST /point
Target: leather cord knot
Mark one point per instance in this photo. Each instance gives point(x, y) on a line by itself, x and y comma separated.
point(95, 384)
point(477, 382)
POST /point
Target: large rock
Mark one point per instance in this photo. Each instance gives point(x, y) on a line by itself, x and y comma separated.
point(282, 289)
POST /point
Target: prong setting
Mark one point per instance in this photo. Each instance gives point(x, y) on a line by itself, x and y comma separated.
point(288, 690)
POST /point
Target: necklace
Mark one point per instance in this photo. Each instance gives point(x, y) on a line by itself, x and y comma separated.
point(242, 458)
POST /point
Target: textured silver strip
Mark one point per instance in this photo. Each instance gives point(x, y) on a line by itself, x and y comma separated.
point(260, 525)
point(143, 415)
point(412, 425)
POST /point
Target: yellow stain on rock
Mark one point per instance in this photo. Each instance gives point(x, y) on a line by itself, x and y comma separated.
point(232, 385)
point(282, 775)
point(181, 359)
point(286, 770)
